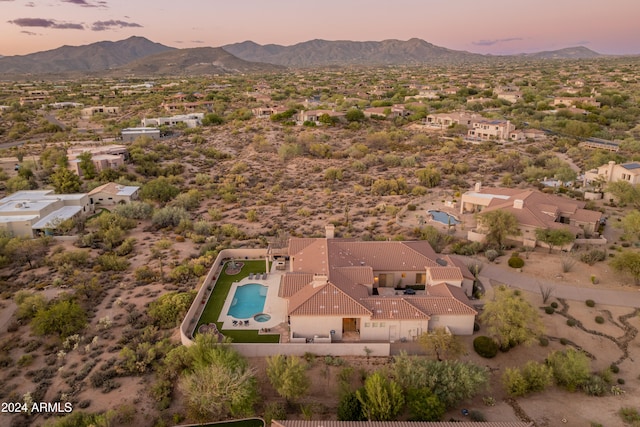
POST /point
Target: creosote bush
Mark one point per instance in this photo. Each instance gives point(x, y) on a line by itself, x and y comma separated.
point(590, 303)
point(485, 347)
point(516, 262)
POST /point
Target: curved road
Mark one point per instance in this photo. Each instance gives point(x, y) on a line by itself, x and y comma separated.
point(623, 298)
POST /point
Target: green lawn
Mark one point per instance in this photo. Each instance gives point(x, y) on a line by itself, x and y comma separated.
point(219, 295)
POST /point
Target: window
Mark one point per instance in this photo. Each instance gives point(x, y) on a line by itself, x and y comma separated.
point(382, 324)
point(375, 324)
point(367, 325)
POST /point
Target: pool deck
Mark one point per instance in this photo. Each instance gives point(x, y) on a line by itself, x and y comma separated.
point(274, 306)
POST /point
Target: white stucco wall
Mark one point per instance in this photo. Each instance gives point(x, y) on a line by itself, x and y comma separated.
point(310, 326)
point(457, 324)
point(394, 330)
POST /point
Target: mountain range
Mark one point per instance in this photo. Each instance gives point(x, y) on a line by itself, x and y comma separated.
point(140, 56)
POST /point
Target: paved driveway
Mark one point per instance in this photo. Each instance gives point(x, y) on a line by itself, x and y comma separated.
point(629, 297)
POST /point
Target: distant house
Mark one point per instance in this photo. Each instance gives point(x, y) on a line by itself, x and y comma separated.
point(342, 289)
point(445, 120)
point(59, 105)
point(30, 213)
point(112, 194)
point(131, 134)
point(488, 130)
point(611, 172)
point(102, 157)
point(569, 101)
point(191, 120)
point(387, 112)
point(266, 112)
point(314, 115)
point(91, 111)
point(533, 210)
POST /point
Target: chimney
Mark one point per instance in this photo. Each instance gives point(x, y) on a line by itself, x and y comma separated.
point(518, 204)
point(330, 231)
point(477, 187)
point(610, 170)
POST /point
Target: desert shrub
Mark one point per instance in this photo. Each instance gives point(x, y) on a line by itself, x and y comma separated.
point(350, 408)
point(168, 310)
point(629, 415)
point(620, 381)
point(63, 318)
point(275, 411)
point(485, 347)
point(590, 303)
point(466, 248)
point(564, 341)
point(571, 368)
point(614, 368)
point(112, 262)
point(599, 319)
point(593, 256)
point(543, 341)
point(516, 262)
point(549, 310)
point(491, 254)
point(134, 210)
point(170, 216)
point(572, 322)
point(144, 275)
point(475, 415)
point(595, 386)
point(554, 304)
point(424, 405)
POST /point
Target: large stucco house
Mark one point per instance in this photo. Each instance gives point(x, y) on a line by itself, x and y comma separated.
point(533, 210)
point(343, 289)
point(611, 172)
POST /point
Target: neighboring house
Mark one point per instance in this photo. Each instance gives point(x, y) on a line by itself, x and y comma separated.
point(314, 115)
point(112, 194)
point(491, 130)
point(192, 120)
point(575, 101)
point(533, 210)
point(90, 111)
point(103, 157)
point(59, 105)
point(388, 112)
point(629, 172)
point(131, 134)
point(444, 120)
point(29, 213)
point(266, 112)
point(509, 96)
point(324, 423)
point(525, 134)
point(188, 106)
point(601, 144)
point(348, 290)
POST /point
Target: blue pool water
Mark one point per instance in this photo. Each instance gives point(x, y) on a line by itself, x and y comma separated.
point(248, 300)
point(444, 217)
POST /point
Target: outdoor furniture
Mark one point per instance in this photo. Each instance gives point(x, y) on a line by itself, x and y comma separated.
point(250, 276)
point(246, 323)
point(235, 323)
point(409, 292)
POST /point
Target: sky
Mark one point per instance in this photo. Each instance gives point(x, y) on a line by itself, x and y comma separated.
point(480, 26)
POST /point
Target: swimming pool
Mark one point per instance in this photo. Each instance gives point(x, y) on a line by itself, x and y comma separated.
point(443, 217)
point(248, 300)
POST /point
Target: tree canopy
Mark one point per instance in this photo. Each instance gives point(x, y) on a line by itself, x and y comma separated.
point(288, 376)
point(499, 225)
point(510, 319)
point(555, 237)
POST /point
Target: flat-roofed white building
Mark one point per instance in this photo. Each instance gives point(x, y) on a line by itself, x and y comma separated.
point(131, 134)
point(29, 213)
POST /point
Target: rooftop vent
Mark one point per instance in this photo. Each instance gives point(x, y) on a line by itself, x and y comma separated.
point(442, 262)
